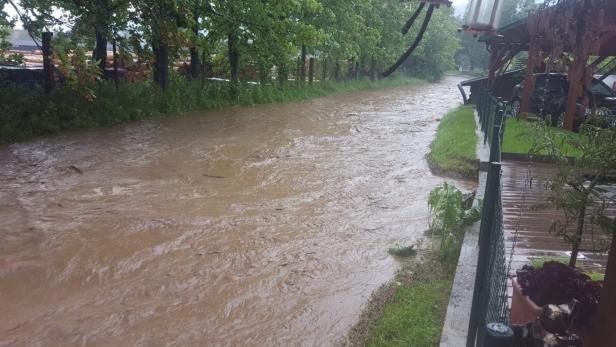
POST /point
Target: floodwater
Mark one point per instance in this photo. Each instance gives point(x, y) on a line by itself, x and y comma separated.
point(257, 226)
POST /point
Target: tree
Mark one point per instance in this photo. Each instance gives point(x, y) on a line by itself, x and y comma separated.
point(101, 17)
point(579, 184)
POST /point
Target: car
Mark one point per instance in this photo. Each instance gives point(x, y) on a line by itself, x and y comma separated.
point(549, 100)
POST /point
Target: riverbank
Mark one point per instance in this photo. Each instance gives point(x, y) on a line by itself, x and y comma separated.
point(453, 151)
point(410, 310)
point(26, 113)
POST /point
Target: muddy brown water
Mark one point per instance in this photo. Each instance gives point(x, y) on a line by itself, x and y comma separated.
point(258, 226)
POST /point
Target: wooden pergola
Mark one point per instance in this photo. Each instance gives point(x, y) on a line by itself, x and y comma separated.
point(579, 33)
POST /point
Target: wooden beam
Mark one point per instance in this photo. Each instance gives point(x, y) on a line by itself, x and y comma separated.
point(576, 80)
point(529, 79)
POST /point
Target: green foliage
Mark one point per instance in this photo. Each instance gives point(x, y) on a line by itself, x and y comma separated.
point(578, 186)
point(25, 113)
point(454, 148)
point(414, 316)
point(538, 263)
point(522, 135)
point(435, 55)
point(7, 58)
point(402, 251)
point(447, 219)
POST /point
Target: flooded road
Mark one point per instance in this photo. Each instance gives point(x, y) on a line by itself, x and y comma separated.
point(260, 226)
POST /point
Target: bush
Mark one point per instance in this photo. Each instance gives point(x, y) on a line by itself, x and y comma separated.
point(28, 112)
point(448, 217)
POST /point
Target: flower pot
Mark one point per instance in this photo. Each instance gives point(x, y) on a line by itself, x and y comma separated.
point(523, 309)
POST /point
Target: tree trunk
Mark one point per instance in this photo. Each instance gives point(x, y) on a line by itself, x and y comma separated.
point(282, 74)
point(100, 49)
point(372, 68)
point(195, 64)
point(337, 71)
point(575, 248)
point(302, 66)
point(161, 65)
point(311, 71)
point(604, 334)
point(48, 67)
point(234, 56)
point(116, 78)
point(324, 77)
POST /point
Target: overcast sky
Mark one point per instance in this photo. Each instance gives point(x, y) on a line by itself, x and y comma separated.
point(460, 6)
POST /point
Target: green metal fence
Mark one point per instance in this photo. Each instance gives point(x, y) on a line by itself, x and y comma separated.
point(490, 302)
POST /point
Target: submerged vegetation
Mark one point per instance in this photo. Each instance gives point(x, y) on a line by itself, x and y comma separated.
point(410, 310)
point(454, 148)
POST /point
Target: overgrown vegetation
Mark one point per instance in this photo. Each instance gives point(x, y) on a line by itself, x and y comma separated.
point(25, 113)
point(448, 219)
point(454, 148)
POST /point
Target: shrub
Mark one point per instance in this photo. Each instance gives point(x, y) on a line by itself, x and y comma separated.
point(448, 217)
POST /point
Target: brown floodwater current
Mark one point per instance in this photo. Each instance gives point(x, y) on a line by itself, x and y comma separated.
point(252, 226)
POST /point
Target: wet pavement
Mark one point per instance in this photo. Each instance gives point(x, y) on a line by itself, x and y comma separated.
point(257, 226)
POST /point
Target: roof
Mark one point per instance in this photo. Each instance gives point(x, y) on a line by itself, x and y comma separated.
point(485, 78)
point(517, 33)
point(20, 39)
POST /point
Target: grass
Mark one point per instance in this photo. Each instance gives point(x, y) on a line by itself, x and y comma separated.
point(414, 315)
point(538, 262)
point(454, 148)
point(521, 135)
point(26, 112)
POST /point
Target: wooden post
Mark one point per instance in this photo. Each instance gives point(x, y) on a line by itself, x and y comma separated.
point(529, 78)
point(604, 333)
point(311, 71)
point(48, 66)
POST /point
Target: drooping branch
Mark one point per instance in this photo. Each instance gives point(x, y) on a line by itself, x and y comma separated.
point(418, 39)
point(409, 23)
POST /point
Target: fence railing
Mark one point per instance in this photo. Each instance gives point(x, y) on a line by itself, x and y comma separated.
point(490, 304)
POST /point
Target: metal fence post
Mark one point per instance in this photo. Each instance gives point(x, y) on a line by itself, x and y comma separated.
point(495, 140)
point(488, 216)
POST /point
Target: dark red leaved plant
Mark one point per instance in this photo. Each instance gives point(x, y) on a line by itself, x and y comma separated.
point(557, 283)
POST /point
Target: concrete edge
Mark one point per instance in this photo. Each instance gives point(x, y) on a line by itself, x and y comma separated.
point(455, 328)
